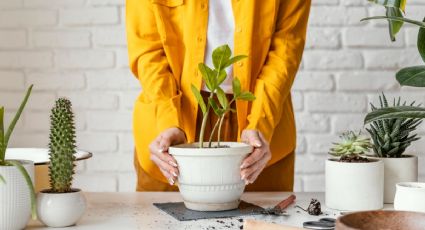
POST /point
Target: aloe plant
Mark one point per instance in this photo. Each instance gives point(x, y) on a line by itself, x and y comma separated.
point(4, 141)
point(410, 76)
point(213, 78)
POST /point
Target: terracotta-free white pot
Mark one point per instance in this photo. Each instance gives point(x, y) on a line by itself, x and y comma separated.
point(354, 186)
point(410, 196)
point(60, 209)
point(210, 178)
point(403, 169)
point(15, 197)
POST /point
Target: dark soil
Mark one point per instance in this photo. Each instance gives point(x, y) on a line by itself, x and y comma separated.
point(314, 208)
point(353, 159)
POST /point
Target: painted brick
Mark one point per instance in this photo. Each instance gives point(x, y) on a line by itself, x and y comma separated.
point(412, 36)
point(10, 39)
point(323, 38)
point(56, 80)
point(24, 18)
point(330, 102)
point(110, 37)
point(96, 182)
point(90, 142)
point(107, 2)
point(84, 59)
point(320, 143)
point(61, 39)
point(112, 79)
point(25, 59)
point(127, 182)
point(310, 164)
point(54, 3)
point(370, 37)
point(312, 123)
point(91, 100)
point(297, 101)
point(366, 81)
point(314, 81)
point(6, 4)
point(126, 141)
point(11, 80)
point(336, 16)
point(391, 59)
point(314, 183)
point(112, 121)
point(128, 98)
point(89, 16)
point(111, 162)
point(332, 60)
point(344, 122)
point(41, 101)
point(121, 58)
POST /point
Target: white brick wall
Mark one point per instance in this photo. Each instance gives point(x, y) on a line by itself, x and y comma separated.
point(77, 48)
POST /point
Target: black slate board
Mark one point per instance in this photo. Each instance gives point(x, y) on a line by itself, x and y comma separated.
point(181, 213)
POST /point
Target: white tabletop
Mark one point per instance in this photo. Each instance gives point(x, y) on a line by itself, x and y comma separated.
point(135, 211)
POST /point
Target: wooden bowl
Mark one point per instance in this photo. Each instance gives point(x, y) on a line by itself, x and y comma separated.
point(382, 220)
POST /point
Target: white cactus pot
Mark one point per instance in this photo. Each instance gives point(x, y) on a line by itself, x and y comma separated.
point(15, 197)
point(60, 209)
point(210, 178)
point(354, 186)
point(410, 196)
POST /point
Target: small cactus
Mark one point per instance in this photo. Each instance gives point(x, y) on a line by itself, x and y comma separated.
point(62, 146)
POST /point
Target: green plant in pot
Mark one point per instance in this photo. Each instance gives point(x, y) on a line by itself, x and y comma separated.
point(16, 179)
point(353, 182)
point(209, 172)
point(61, 205)
point(391, 138)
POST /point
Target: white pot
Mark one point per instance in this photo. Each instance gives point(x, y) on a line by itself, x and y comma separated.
point(410, 196)
point(60, 209)
point(354, 186)
point(15, 197)
point(403, 169)
point(210, 178)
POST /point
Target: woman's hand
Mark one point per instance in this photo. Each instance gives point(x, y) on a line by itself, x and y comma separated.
point(159, 152)
point(255, 162)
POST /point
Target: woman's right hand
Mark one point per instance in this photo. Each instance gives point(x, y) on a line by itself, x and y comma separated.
point(159, 152)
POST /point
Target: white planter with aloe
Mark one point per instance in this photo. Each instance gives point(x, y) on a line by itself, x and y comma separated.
point(17, 197)
point(209, 177)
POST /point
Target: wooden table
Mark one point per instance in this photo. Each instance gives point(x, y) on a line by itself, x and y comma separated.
point(121, 211)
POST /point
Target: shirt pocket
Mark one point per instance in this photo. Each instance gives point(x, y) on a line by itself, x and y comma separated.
point(168, 3)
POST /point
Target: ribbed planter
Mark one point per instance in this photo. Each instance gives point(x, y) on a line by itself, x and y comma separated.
point(210, 178)
point(15, 198)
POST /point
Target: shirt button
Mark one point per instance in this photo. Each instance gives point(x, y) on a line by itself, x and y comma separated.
point(199, 39)
point(240, 63)
point(202, 5)
point(239, 29)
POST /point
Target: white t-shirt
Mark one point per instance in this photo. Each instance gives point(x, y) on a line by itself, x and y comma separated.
point(221, 27)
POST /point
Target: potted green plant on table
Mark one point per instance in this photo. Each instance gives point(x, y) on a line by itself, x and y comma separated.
point(17, 196)
point(353, 182)
point(61, 205)
point(209, 177)
point(391, 138)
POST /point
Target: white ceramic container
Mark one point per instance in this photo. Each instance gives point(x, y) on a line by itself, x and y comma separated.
point(210, 178)
point(60, 209)
point(410, 196)
point(354, 186)
point(404, 169)
point(15, 197)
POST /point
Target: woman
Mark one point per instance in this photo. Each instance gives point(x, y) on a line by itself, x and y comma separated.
point(166, 41)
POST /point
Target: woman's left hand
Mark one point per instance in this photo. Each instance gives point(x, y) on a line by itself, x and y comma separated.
point(255, 162)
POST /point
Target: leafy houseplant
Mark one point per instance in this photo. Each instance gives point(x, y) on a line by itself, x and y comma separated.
point(213, 78)
point(410, 76)
point(353, 182)
point(209, 178)
point(9, 189)
point(61, 205)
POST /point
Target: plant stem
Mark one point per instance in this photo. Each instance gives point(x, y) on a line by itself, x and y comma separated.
point(219, 129)
point(212, 132)
point(204, 123)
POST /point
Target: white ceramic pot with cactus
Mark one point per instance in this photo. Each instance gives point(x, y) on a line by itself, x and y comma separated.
point(209, 178)
point(390, 139)
point(61, 205)
point(17, 197)
point(353, 183)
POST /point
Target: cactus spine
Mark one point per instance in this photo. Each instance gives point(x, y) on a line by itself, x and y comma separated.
point(62, 146)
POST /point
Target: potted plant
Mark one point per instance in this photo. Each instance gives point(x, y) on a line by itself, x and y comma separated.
point(390, 139)
point(353, 182)
point(61, 205)
point(17, 196)
point(209, 177)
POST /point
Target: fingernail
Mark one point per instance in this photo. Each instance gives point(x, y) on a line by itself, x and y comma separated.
point(172, 163)
point(257, 144)
point(243, 177)
point(161, 150)
point(242, 166)
point(246, 182)
point(171, 181)
point(174, 174)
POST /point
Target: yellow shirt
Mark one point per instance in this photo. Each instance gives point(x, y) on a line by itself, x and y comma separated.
point(166, 41)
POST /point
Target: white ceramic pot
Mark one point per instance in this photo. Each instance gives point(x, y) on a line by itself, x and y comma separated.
point(404, 169)
point(60, 209)
point(354, 186)
point(210, 178)
point(410, 196)
point(15, 197)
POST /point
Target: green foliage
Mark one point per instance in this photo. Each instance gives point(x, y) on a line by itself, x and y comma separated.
point(392, 136)
point(62, 146)
point(412, 76)
point(394, 8)
point(351, 144)
point(213, 78)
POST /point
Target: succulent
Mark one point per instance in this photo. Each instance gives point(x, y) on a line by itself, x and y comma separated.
point(62, 146)
point(392, 136)
point(351, 144)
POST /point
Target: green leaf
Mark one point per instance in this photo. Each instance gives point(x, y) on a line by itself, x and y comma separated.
point(208, 76)
point(220, 56)
point(421, 42)
point(221, 77)
point(2, 180)
point(234, 59)
point(412, 76)
point(15, 119)
point(29, 184)
point(400, 19)
point(394, 26)
point(222, 98)
point(391, 3)
point(395, 112)
point(236, 85)
point(214, 106)
point(2, 147)
point(246, 96)
point(199, 98)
